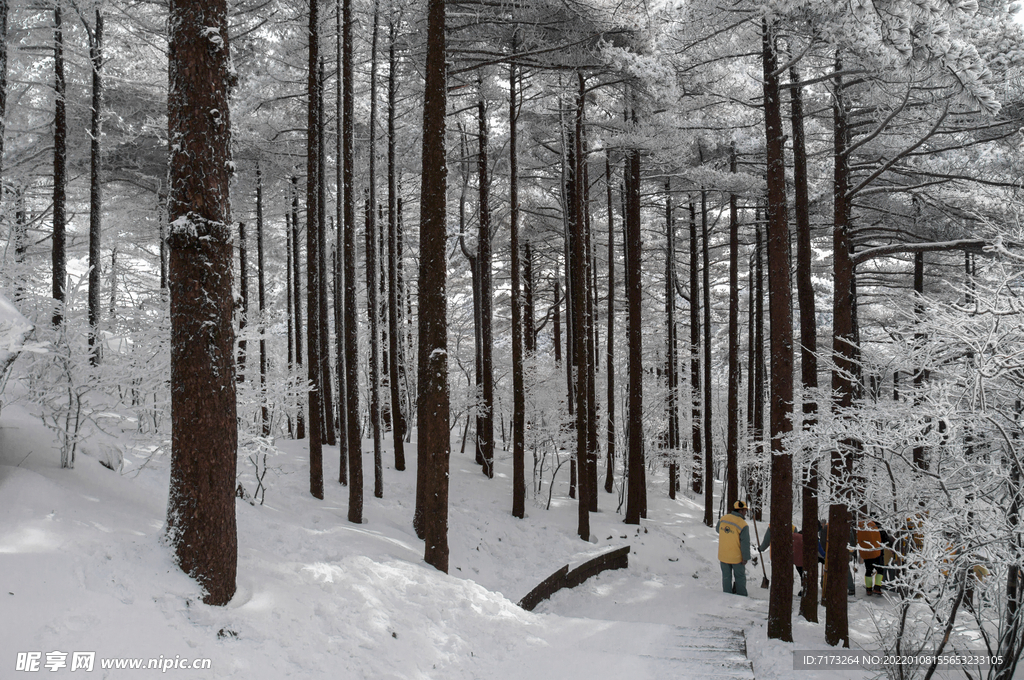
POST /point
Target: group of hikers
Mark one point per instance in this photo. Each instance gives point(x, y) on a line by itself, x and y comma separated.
point(871, 545)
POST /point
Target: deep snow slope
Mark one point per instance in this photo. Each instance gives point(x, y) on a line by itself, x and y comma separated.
point(84, 568)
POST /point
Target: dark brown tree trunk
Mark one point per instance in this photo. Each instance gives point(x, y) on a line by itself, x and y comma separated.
point(697, 473)
point(518, 374)
point(355, 443)
point(339, 252)
point(529, 311)
point(204, 432)
point(313, 363)
point(671, 360)
point(95, 182)
point(780, 301)
point(289, 295)
point(578, 270)
point(808, 352)
point(399, 424)
point(261, 284)
point(732, 436)
point(373, 271)
point(609, 479)
point(590, 299)
point(836, 556)
point(709, 458)
point(243, 295)
point(636, 494)
point(433, 403)
point(485, 421)
point(324, 327)
point(300, 420)
point(756, 492)
point(60, 167)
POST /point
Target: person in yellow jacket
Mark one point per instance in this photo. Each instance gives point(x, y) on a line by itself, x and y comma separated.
point(734, 548)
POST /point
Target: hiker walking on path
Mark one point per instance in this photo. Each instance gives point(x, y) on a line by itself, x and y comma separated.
point(734, 549)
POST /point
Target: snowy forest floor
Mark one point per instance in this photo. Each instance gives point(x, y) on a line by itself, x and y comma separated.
point(83, 567)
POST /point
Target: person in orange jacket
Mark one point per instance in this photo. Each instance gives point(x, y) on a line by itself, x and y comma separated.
point(869, 548)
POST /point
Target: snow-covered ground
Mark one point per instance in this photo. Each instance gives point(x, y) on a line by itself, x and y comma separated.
point(83, 568)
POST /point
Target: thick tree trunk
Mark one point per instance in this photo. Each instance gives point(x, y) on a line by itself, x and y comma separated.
point(709, 458)
point(485, 422)
point(636, 494)
point(339, 251)
point(609, 479)
point(732, 436)
point(518, 374)
point(780, 300)
point(697, 475)
point(326, 398)
point(95, 183)
point(671, 361)
point(808, 351)
point(204, 431)
point(433, 404)
point(316, 469)
point(60, 167)
point(756, 491)
point(843, 387)
point(399, 424)
point(373, 271)
point(289, 294)
point(581, 332)
point(352, 428)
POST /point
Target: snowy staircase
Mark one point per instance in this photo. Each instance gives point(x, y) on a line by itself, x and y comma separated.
point(710, 652)
point(646, 651)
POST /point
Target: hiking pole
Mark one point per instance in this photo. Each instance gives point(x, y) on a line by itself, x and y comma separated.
point(764, 582)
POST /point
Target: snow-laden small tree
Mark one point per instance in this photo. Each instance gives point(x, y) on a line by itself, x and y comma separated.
point(955, 549)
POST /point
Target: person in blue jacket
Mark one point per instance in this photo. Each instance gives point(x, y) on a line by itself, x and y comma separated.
point(734, 549)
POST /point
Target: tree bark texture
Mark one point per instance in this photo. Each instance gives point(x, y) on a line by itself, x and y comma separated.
point(697, 474)
point(300, 420)
point(485, 421)
point(353, 430)
point(780, 301)
point(808, 349)
point(313, 363)
point(732, 434)
point(636, 501)
point(518, 373)
point(95, 185)
point(609, 479)
point(204, 431)
point(60, 168)
point(399, 425)
point(433, 402)
point(836, 556)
